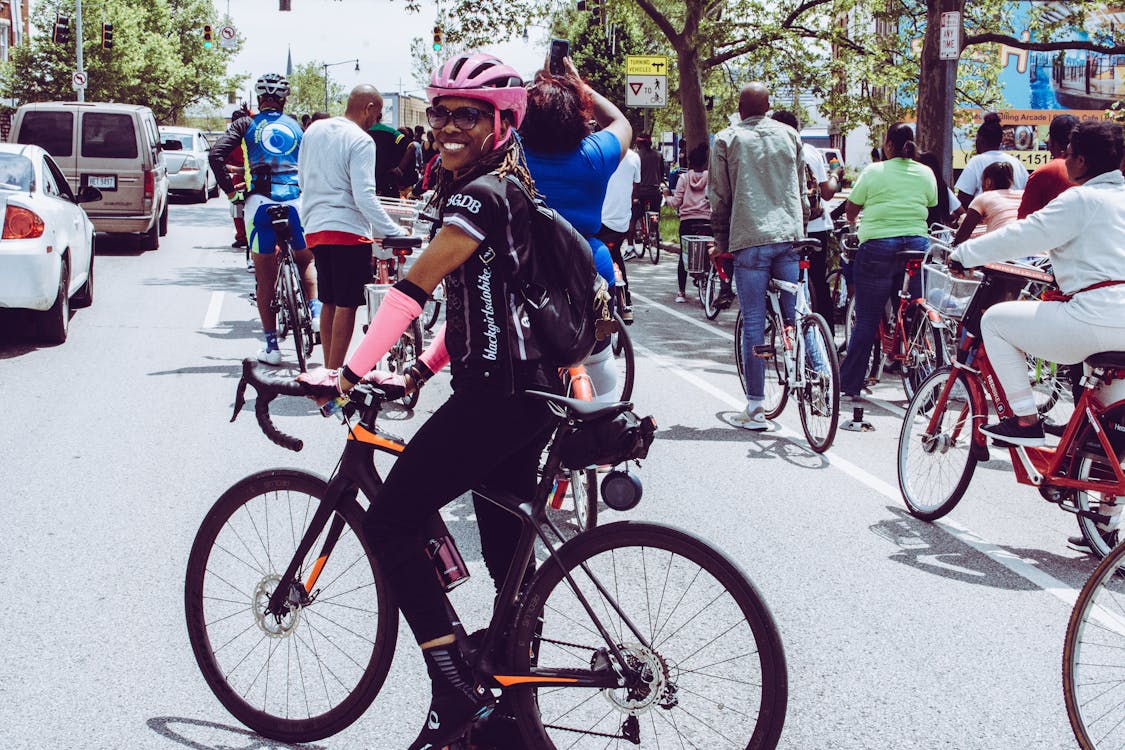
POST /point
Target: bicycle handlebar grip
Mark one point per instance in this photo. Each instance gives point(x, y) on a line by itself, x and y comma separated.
point(262, 411)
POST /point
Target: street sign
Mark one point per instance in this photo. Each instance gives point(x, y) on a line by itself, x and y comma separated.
point(950, 45)
point(646, 65)
point(646, 91)
point(79, 80)
point(227, 36)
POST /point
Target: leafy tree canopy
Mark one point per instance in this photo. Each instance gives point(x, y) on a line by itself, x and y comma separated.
point(307, 90)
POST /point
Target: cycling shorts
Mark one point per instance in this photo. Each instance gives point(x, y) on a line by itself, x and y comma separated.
point(262, 237)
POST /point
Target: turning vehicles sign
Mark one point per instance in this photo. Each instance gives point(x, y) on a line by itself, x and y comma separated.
point(646, 81)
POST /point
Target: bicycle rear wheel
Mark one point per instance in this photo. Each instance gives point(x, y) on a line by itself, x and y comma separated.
point(819, 400)
point(654, 249)
point(315, 671)
point(777, 379)
point(306, 340)
point(935, 467)
point(923, 350)
point(292, 303)
point(403, 354)
point(705, 641)
point(584, 493)
point(709, 293)
point(1093, 663)
point(1090, 462)
point(625, 359)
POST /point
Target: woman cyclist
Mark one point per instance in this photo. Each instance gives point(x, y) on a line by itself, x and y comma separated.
point(571, 167)
point(488, 432)
point(895, 196)
point(1081, 231)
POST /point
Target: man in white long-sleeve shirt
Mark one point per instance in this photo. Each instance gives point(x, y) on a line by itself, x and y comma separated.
point(341, 214)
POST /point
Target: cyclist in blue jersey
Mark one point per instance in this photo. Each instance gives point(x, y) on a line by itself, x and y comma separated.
point(571, 167)
point(270, 142)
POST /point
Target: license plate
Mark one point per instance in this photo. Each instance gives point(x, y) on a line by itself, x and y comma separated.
point(102, 182)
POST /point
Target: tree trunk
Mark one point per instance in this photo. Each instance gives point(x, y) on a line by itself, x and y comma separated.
point(936, 90)
point(691, 96)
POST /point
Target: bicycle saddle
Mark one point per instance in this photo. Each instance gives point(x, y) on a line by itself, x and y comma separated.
point(905, 256)
point(393, 242)
point(584, 411)
point(806, 246)
point(1107, 360)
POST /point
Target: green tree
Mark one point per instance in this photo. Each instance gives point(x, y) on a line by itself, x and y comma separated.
point(306, 86)
point(157, 59)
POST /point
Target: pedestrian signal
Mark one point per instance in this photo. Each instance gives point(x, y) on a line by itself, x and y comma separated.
point(437, 39)
point(208, 38)
point(107, 36)
point(61, 34)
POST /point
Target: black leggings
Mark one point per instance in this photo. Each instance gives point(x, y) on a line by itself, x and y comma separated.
point(476, 438)
point(613, 240)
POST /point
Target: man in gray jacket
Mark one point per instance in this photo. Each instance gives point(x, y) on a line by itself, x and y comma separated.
point(756, 184)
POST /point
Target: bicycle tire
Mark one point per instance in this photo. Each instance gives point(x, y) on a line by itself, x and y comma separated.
point(404, 354)
point(290, 303)
point(922, 350)
point(307, 340)
point(210, 551)
point(654, 251)
point(840, 293)
point(709, 294)
point(584, 493)
point(819, 401)
point(432, 311)
point(626, 360)
point(1096, 649)
point(955, 435)
point(1085, 464)
point(776, 383)
point(545, 631)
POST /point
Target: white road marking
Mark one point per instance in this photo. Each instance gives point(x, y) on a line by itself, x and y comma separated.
point(1023, 567)
point(211, 319)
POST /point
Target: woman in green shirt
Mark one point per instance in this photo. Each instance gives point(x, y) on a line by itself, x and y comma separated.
point(895, 196)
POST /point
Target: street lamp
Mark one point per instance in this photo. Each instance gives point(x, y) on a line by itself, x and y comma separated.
point(326, 66)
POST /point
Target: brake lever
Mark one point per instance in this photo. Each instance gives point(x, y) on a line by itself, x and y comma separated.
point(239, 398)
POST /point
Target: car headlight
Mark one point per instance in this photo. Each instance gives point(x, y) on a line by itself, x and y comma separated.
point(189, 165)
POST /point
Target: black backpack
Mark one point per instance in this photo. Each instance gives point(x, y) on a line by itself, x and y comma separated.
point(567, 302)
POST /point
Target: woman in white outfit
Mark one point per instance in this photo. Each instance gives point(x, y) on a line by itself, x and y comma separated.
point(1083, 230)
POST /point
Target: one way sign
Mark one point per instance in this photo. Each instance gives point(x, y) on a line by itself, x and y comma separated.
point(646, 91)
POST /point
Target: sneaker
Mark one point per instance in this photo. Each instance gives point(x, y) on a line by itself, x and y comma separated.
point(457, 699)
point(269, 356)
point(238, 243)
point(724, 300)
point(627, 315)
point(1010, 432)
point(680, 299)
point(627, 253)
point(250, 265)
point(754, 421)
point(852, 398)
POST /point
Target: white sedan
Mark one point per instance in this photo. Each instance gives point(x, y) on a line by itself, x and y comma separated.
point(185, 152)
point(47, 244)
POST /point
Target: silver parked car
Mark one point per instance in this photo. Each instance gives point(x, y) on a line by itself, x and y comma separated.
point(186, 151)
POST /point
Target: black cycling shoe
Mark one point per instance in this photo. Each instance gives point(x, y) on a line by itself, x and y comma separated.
point(497, 731)
point(458, 700)
point(1010, 432)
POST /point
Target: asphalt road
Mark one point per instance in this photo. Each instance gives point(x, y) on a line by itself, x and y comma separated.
point(898, 633)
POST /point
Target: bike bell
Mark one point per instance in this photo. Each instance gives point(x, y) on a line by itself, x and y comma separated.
point(621, 490)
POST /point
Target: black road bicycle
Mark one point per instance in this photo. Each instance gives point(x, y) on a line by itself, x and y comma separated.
point(289, 302)
point(629, 633)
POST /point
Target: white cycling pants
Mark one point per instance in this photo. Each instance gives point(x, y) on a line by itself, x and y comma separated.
point(602, 369)
point(1048, 330)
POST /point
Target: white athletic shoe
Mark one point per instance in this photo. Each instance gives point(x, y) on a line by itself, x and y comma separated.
point(269, 356)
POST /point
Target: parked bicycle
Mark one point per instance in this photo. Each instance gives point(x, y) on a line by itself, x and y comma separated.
point(289, 302)
point(941, 442)
point(1093, 663)
point(800, 358)
point(630, 632)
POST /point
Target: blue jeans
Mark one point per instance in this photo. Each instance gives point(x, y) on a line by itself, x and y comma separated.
point(876, 277)
point(753, 269)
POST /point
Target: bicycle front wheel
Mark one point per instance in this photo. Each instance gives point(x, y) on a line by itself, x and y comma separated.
point(625, 360)
point(935, 465)
point(819, 399)
point(711, 663)
point(313, 672)
point(1093, 664)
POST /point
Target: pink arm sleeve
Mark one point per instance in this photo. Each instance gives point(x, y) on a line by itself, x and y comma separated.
point(436, 356)
point(394, 316)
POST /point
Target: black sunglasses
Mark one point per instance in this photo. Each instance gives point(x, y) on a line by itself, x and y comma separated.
point(464, 118)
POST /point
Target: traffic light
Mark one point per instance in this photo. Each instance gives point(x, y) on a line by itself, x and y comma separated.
point(107, 36)
point(208, 38)
point(437, 38)
point(61, 34)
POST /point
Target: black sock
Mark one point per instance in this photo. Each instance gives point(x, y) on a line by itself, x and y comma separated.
point(457, 700)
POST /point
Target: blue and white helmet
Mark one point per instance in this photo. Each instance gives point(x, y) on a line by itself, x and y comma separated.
point(272, 84)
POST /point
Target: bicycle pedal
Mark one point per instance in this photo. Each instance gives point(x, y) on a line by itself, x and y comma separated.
point(765, 351)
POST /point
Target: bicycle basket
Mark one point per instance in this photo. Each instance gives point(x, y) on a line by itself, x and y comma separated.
point(695, 247)
point(946, 293)
point(608, 442)
point(374, 294)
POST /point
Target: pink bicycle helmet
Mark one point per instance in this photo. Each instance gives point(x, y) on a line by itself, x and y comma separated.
point(484, 77)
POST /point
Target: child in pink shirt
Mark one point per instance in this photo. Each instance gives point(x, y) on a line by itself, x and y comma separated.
point(996, 205)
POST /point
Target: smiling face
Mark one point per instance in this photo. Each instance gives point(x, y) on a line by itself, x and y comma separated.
point(460, 149)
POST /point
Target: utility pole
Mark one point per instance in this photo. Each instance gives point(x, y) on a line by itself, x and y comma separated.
point(78, 44)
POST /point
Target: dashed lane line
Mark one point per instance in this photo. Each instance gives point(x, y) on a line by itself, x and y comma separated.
point(1026, 569)
point(214, 310)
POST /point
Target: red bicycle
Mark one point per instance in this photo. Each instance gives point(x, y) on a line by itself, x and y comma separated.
point(941, 442)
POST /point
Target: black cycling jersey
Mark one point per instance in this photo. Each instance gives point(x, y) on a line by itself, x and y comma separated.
point(487, 334)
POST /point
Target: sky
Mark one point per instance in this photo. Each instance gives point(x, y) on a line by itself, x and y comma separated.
point(376, 32)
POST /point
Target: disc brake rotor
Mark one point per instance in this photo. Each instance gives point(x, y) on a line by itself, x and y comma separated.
point(273, 625)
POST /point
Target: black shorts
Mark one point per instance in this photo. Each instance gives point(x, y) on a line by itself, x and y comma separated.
point(341, 272)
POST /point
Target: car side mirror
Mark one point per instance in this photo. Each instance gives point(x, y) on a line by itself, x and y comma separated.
point(87, 194)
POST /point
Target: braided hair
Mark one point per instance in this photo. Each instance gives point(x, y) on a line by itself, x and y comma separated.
point(509, 160)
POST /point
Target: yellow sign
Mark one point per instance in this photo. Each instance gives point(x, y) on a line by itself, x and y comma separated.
point(646, 65)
